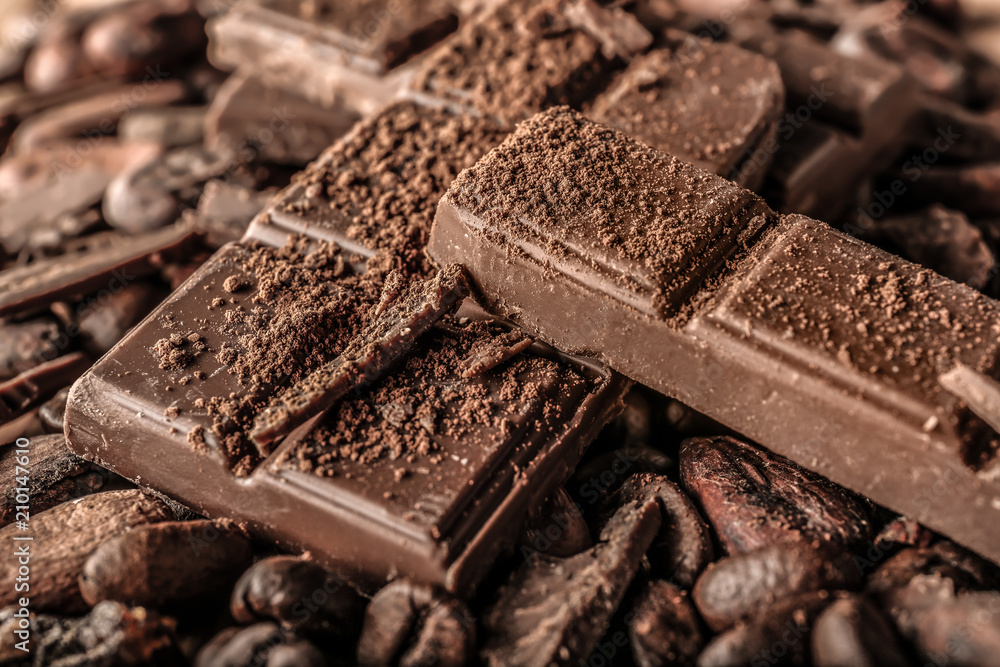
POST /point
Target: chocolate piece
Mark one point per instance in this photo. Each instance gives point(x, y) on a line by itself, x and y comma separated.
point(57, 475)
point(745, 586)
point(516, 60)
point(226, 209)
point(809, 342)
point(665, 629)
point(53, 411)
point(409, 625)
point(66, 535)
point(105, 261)
point(170, 126)
point(380, 344)
point(553, 611)
point(712, 105)
point(853, 631)
point(247, 117)
point(359, 46)
point(755, 499)
point(279, 588)
point(168, 565)
point(27, 390)
point(973, 189)
point(435, 472)
point(377, 188)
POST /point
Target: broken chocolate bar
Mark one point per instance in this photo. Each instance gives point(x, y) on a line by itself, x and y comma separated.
point(713, 105)
point(820, 347)
point(422, 472)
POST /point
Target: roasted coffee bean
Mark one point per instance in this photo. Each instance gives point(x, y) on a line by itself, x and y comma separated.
point(553, 611)
point(260, 645)
point(56, 475)
point(966, 570)
point(412, 624)
point(558, 529)
point(753, 498)
point(53, 411)
point(167, 565)
point(298, 594)
point(903, 532)
point(746, 585)
point(111, 635)
point(24, 345)
point(683, 547)
point(66, 535)
point(664, 629)
point(963, 631)
point(852, 631)
point(779, 637)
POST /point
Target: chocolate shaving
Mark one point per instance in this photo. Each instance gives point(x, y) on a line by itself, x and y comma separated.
point(366, 357)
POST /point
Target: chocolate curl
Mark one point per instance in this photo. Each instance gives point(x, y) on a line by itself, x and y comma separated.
point(386, 338)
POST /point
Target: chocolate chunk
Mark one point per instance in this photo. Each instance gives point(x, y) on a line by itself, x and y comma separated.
point(378, 187)
point(298, 594)
point(27, 390)
point(515, 60)
point(379, 345)
point(712, 105)
point(782, 329)
point(853, 631)
point(972, 189)
point(749, 584)
point(107, 261)
point(554, 610)
point(56, 475)
point(683, 547)
point(273, 124)
point(439, 458)
point(665, 629)
point(410, 624)
point(102, 319)
point(53, 411)
point(66, 535)
point(168, 565)
point(226, 209)
point(779, 638)
point(754, 499)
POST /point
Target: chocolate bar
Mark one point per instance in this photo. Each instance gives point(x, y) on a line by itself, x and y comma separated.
point(377, 188)
point(423, 473)
point(811, 342)
point(331, 52)
point(713, 105)
point(521, 58)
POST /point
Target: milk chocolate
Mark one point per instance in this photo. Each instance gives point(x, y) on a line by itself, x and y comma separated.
point(811, 342)
point(712, 105)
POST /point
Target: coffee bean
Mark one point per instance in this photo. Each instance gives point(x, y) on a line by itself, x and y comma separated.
point(66, 535)
point(778, 638)
point(260, 645)
point(753, 498)
point(166, 565)
point(557, 529)
point(665, 629)
point(298, 594)
point(57, 475)
point(853, 631)
point(683, 546)
point(413, 624)
point(53, 411)
point(746, 585)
